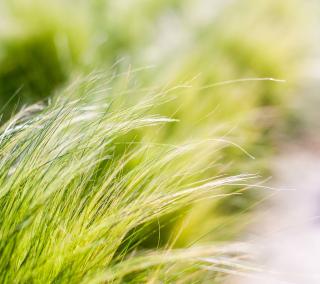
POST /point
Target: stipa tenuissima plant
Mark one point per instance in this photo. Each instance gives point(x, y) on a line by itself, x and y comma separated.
point(73, 202)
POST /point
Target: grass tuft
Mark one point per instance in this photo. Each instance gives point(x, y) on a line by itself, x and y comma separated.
point(72, 200)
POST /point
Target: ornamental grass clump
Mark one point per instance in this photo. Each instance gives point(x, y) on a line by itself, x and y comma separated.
point(73, 203)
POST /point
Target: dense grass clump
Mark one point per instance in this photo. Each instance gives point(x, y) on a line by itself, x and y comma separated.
point(73, 202)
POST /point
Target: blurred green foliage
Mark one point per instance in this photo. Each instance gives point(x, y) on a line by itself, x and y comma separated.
point(41, 44)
